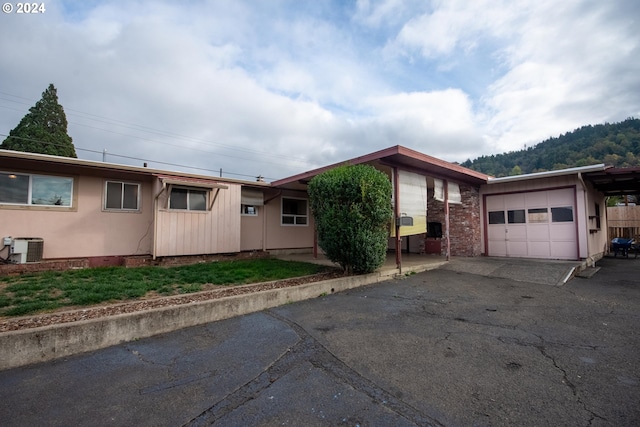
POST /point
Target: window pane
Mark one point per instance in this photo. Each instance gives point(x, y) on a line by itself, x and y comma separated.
point(288, 206)
point(14, 188)
point(294, 206)
point(538, 215)
point(178, 198)
point(516, 216)
point(51, 190)
point(287, 219)
point(197, 200)
point(249, 210)
point(496, 217)
point(301, 208)
point(114, 195)
point(564, 214)
point(301, 220)
point(130, 200)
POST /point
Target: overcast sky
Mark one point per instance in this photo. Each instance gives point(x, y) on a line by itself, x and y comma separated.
point(275, 88)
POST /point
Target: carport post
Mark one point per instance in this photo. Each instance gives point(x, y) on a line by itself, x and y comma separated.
point(396, 214)
point(446, 219)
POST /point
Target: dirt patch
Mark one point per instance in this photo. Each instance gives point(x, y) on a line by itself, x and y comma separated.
point(151, 302)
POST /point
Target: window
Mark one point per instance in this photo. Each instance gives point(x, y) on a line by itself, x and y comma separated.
point(496, 217)
point(249, 210)
point(294, 211)
point(42, 190)
point(516, 216)
point(563, 214)
point(188, 199)
point(121, 196)
point(538, 215)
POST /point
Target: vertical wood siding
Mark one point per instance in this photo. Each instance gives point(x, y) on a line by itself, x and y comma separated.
point(197, 233)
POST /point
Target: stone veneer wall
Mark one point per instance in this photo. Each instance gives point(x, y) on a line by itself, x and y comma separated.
point(464, 221)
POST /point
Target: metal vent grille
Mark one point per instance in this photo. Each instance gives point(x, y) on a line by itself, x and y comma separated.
point(35, 250)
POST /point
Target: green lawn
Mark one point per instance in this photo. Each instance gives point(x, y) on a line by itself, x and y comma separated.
point(33, 293)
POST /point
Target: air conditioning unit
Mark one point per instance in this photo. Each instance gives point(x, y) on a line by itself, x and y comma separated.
point(26, 249)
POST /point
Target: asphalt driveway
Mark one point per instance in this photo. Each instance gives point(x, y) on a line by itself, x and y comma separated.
point(446, 347)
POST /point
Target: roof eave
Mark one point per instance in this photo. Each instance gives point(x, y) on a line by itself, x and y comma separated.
point(470, 175)
point(547, 174)
point(92, 164)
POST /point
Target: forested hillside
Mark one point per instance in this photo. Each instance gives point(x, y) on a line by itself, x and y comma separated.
point(615, 144)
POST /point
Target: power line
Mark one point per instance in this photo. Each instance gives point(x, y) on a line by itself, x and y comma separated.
point(262, 161)
point(135, 158)
point(151, 130)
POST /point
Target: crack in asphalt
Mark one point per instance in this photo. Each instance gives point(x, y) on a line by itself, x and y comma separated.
point(541, 347)
point(565, 380)
point(309, 350)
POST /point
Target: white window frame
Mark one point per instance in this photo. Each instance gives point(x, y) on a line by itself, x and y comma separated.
point(295, 217)
point(29, 195)
point(121, 208)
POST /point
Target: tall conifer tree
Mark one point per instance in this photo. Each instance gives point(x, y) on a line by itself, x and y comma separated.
point(43, 130)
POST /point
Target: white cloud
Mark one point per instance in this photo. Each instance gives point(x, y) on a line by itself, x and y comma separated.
point(275, 88)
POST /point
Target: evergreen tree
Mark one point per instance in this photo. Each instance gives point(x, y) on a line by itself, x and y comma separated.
point(43, 130)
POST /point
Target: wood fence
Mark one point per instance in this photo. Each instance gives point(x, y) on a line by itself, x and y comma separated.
point(624, 221)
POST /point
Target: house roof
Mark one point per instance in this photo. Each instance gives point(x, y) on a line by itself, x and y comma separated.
point(616, 181)
point(45, 162)
point(547, 174)
point(398, 156)
point(608, 180)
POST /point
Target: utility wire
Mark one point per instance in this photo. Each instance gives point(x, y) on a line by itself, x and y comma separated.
point(147, 129)
point(135, 158)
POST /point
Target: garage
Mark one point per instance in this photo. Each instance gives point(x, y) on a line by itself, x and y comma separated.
point(532, 224)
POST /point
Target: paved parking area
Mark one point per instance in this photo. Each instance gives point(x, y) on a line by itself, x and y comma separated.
point(452, 347)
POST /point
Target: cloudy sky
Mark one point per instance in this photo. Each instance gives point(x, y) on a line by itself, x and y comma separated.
point(276, 87)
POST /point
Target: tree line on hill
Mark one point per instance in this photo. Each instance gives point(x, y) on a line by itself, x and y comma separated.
point(614, 144)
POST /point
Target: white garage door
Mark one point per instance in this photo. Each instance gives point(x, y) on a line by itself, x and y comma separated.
point(539, 224)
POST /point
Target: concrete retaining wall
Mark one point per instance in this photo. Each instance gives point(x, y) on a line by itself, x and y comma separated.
point(19, 348)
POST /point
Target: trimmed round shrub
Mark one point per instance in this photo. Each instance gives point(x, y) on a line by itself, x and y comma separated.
point(352, 209)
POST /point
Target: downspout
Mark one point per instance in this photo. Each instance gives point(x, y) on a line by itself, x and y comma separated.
point(155, 220)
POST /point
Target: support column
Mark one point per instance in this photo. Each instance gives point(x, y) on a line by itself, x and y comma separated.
point(446, 219)
point(396, 212)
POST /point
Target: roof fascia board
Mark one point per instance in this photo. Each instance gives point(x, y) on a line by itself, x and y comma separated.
point(457, 172)
point(547, 174)
point(442, 163)
point(355, 161)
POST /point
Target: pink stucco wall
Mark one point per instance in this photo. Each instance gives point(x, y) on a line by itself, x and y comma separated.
point(85, 230)
point(286, 237)
point(251, 235)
